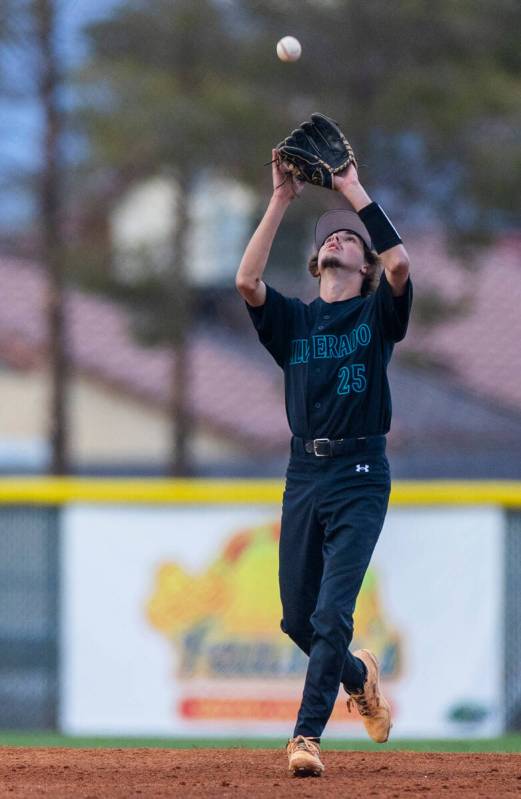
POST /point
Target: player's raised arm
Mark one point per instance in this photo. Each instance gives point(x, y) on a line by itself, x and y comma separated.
point(253, 263)
point(386, 240)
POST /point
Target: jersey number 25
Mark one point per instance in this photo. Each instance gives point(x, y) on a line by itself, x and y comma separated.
point(352, 377)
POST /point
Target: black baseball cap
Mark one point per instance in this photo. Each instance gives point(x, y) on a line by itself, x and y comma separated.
point(340, 219)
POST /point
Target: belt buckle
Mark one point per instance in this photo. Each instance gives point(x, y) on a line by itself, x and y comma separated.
point(316, 446)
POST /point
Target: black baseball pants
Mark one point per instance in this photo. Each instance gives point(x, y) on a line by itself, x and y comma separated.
point(332, 514)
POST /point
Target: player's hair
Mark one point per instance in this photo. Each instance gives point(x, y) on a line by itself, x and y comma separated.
point(370, 281)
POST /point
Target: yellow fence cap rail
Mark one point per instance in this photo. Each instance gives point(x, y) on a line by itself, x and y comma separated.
point(144, 491)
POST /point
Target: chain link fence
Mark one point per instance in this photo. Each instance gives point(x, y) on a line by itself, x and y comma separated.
point(28, 617)
point(512, 622)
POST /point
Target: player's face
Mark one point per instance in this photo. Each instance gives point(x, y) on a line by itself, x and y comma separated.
point(341, 250)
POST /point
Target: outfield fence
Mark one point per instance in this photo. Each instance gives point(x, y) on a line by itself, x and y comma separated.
point(150, 607)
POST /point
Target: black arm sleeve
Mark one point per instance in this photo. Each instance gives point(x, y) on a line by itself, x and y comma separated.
point(393, 312)
point(272, 322)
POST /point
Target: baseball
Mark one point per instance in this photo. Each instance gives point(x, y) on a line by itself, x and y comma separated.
point(289, 49)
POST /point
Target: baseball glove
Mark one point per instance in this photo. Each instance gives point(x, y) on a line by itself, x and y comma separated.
point(316, 151)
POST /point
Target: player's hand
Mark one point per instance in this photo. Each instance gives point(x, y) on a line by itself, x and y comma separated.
point(349, 186)
point(285, 185)
point(346, 179)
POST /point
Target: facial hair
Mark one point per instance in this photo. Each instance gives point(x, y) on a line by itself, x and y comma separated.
point(331, 262)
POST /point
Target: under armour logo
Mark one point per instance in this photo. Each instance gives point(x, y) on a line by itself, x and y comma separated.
point(362, 468)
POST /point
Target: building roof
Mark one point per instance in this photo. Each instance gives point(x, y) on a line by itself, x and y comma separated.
point(470, 401)
point(228, 392)
point(479, 343)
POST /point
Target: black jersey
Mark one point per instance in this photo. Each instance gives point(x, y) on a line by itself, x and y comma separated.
point(335, 356)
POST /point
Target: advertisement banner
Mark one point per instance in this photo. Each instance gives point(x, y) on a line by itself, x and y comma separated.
point(171, 623)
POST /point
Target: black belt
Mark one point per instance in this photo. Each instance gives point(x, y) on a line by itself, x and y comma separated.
point(329, 447)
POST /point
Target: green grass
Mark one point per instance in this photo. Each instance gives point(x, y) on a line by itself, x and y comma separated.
point(506, 743)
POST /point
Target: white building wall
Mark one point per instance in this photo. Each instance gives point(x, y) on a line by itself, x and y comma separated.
point(106, 426)
point(143, 227)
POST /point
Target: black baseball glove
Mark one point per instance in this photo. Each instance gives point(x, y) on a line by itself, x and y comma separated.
point(316, 151)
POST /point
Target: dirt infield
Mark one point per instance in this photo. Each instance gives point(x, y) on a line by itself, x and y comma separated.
point(251, 774)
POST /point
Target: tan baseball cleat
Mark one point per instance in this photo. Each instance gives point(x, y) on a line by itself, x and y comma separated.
point(304, 757)
point(371, 703)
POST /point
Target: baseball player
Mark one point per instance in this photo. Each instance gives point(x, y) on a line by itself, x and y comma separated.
point(334, 353)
